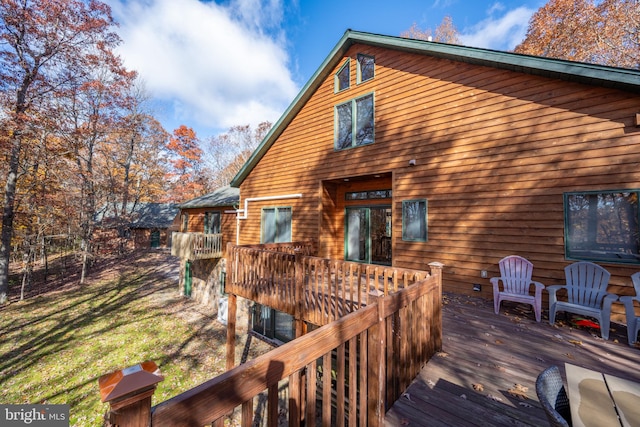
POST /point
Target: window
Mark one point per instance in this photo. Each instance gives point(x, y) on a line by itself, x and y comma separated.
point(414, 220)
point(276, 225)
point(185, 222)
point(272, 323)
point(354, 123)
point(602, 226)
point(343, 78)
point(366, 66)
point(212, 222)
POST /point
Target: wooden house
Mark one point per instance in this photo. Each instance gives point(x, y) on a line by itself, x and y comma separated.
point(207, 224)
point(138, 226)
point(402, 152)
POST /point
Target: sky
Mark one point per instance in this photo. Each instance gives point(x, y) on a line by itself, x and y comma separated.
point(211, 65)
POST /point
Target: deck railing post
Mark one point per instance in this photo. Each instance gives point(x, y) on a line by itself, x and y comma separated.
point(436, 318)
point(377, 366)
point(128, 392)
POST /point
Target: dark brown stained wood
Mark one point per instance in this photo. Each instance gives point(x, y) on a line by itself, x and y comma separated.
point(498, 352)
point(495, 150)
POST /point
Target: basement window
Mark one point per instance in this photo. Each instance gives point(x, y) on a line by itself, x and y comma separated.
point(602, 226)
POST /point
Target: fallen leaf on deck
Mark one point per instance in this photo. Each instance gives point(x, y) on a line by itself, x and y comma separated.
point(464, 396)
point(575, 342)
point(518, 391)
point(442, 354)
point(492, 397)
point(431, 383)
point(499, 342)
point(478, 387)
point(569, 355)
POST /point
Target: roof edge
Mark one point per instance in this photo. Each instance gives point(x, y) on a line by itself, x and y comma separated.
point(585, 73)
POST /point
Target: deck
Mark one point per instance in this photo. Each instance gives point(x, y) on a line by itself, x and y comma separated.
point(496, 353)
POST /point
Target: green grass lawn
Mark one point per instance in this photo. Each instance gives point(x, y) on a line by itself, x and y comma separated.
point(55, 346)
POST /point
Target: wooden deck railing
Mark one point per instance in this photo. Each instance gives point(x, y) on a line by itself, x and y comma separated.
point(194, 246)
point(348, 372)
point(381, 325)
point(316, 290)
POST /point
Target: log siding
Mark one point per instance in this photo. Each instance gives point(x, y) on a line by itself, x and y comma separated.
point(495, 150)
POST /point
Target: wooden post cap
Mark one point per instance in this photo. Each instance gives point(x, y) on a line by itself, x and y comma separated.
point(128, 381)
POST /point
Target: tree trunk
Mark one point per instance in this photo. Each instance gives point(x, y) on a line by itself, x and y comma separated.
point(8, 215)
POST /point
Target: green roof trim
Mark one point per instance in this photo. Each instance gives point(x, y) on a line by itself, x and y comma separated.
point(579, 72)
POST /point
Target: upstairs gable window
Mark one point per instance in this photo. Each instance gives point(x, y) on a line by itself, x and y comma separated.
point(343, 77)
point(354, 123)
point(366, 67)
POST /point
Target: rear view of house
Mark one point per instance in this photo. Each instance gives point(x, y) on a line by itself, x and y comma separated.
point(402, 152)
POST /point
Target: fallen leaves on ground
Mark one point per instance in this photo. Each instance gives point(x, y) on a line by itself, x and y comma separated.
point(478, 387)
point(519, 391)
point(576, 342)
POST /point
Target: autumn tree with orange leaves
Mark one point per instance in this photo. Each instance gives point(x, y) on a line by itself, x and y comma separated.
point(605, 32)
point(43, 43)
point(446, 32)
point(185, 179)
point(227, 152)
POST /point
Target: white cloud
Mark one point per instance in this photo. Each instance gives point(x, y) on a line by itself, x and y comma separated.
point(214, 66)
point(501, 32)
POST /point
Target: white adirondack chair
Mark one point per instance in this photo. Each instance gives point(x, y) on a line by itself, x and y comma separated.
point(633, 320)
point(515, 275)
point(586, 294)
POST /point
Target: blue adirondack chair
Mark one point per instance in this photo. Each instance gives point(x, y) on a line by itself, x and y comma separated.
point(586, 289)
point(633, 320)
point(515, 275)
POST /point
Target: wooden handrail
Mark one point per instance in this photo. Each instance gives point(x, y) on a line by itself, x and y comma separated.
point(369, 350)
point(194, 246)
point(217, 397)
point(312, 289)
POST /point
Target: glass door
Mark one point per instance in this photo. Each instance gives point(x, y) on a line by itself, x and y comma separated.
point(368, 234)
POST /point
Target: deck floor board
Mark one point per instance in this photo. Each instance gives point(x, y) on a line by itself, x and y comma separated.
point(496, 354)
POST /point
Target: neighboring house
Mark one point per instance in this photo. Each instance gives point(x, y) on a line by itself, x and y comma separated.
point(207, 225)
point(140, 226)
point(403, 152)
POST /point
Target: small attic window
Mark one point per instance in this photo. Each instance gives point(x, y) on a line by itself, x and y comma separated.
point(366, 67)
point(343, 77)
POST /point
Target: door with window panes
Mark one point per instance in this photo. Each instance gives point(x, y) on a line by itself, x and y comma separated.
point(275, 228)
point(368, 234)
